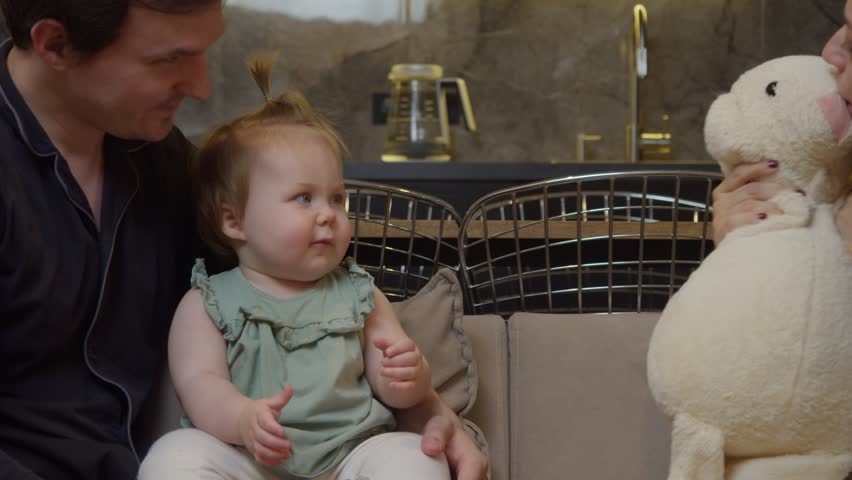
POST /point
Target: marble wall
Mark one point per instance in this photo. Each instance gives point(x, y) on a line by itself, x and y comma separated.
point(539, 71)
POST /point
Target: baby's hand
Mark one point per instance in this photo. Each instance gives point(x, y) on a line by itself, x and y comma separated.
point(402, 364)
point(260, 431)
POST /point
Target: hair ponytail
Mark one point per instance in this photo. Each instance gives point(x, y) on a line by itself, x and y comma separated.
point(260, 65)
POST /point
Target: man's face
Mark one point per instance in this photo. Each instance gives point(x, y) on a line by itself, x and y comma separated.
point(132, 88)
point(838, 52)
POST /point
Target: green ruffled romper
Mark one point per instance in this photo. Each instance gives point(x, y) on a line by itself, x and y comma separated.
point(312, 341)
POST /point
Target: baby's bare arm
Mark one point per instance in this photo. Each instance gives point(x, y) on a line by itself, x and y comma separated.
point(199, 369)
point(198, 363)
point(396, 369)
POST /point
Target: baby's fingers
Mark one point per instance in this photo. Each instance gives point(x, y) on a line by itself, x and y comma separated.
point(402, 387)
point(268, 422)
point(280, 399)
point(382, 343)
point(272, 442)
point(394, 349)
point(269, 458)
point(400, 373)
point(407, 359)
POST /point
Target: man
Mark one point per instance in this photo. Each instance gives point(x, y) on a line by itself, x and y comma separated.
point(97, 231)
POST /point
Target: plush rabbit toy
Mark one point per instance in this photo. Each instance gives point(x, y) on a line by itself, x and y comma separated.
point(752, 358)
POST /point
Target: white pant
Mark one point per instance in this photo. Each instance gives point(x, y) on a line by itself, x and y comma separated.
point(191, 454)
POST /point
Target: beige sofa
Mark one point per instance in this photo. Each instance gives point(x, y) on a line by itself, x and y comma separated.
point(564, 396)
point(560, 396)
point(555, 395)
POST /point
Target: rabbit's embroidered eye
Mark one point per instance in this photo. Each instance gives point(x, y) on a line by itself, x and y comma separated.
point(770, 89)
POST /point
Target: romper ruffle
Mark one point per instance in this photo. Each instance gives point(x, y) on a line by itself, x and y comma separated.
point(292, 330)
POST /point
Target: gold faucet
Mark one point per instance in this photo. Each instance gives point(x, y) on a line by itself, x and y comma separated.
point(638, 141)
point(656, 143)
point(582, 138)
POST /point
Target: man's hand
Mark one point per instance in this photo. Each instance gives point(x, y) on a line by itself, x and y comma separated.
point(739, 200)
point(440, 435)
point(260, 431)
point(844, 222)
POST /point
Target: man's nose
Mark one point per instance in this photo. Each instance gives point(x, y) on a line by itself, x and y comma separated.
point(196, 82)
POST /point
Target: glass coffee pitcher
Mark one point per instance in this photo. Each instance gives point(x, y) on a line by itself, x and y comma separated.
point(418, 126)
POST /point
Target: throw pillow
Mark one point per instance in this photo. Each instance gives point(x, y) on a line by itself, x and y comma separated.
point(433, 319)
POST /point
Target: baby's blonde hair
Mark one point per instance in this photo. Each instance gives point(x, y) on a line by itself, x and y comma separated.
point(220, 166)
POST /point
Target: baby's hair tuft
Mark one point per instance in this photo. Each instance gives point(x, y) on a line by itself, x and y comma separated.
point(260, 65)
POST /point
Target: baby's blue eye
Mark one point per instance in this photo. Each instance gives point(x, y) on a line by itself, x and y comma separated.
point(304, 198)
point(337, 199)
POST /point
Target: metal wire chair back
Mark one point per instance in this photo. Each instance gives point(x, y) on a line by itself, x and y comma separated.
point(401, 237)
point(620, 242)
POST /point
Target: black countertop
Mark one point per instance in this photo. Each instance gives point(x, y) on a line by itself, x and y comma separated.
point(461, 184)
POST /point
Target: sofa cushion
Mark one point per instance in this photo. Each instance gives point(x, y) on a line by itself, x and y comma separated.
point(433, 319)
point(487, 335)
point(579, 405)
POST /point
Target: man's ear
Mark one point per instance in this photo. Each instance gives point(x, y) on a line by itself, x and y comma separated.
point(232, 224)
point(51, 43)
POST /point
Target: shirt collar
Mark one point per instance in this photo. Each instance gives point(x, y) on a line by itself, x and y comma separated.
point(14, 106)
point(24, 121)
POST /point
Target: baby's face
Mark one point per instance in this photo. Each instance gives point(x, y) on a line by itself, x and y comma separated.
point(295, 225)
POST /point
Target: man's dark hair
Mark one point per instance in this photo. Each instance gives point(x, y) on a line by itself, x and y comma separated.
point(92, 25)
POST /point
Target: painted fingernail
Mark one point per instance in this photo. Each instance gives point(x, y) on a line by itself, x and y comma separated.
point(761, 216)
point(773, 164)
point(801, 191)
